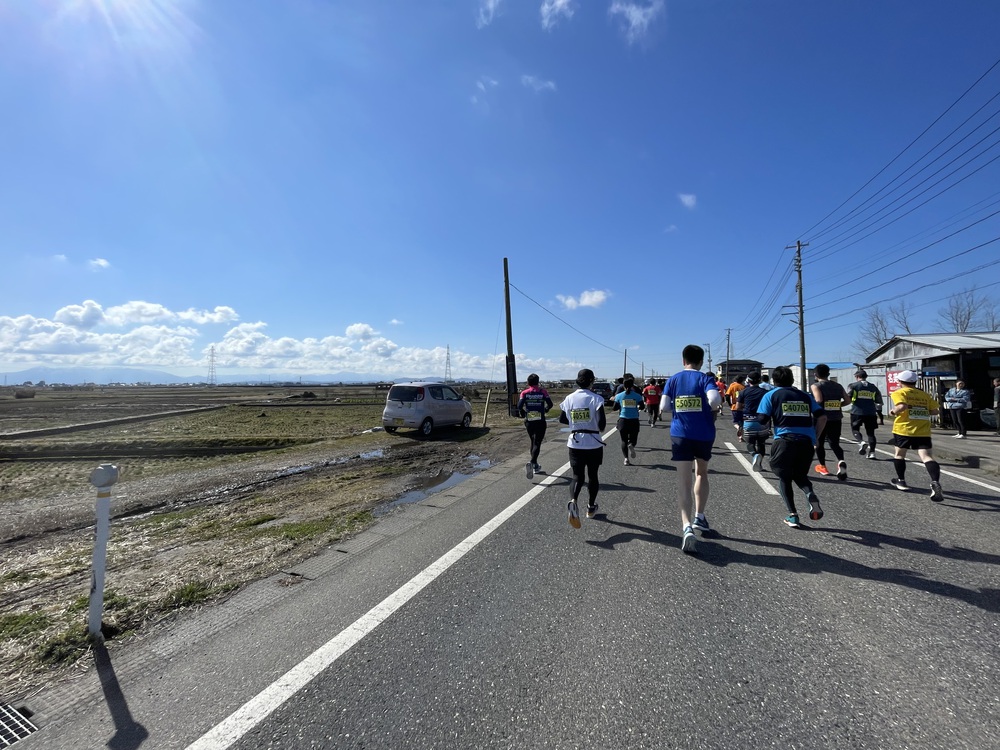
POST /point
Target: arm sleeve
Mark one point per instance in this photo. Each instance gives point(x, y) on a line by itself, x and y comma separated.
point(602, 419)
point(714, 399)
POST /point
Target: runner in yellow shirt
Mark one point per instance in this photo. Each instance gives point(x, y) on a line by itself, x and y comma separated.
point(912, 409)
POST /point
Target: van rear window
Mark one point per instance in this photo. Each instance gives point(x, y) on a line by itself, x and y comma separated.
point(406, 393)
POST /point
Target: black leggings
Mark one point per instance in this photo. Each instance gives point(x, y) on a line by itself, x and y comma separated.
point(584, 463)
point(831, 433)
point(629, 431)
point(869, 422)
point(790, 462)
point(536, 433)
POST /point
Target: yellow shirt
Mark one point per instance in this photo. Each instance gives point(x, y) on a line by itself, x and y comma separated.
point(916, 420)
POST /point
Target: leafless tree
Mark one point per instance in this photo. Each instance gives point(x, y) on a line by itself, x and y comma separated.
point(991, 316)
point(899, 315)
point(875, 331)
point(964, 310)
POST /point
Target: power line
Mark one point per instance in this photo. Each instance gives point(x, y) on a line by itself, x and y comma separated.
point(591, 338)
point(897, 156)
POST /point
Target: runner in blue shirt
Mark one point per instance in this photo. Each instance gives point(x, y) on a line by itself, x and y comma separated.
point(693, 397)
point(627, 403)
point(791, 413)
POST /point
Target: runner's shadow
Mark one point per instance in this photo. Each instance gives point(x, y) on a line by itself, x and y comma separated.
point(877, 540)
point(129, 734)
point(813, 562)
point(991, 502)
point(637, 533)
point(622, 487)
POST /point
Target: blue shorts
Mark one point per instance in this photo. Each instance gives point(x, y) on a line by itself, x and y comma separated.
point(686, 449)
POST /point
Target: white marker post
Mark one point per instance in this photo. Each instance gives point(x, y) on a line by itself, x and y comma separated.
point(103, 478)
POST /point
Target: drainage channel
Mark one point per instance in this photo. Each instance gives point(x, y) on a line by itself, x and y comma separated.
point(14, 725)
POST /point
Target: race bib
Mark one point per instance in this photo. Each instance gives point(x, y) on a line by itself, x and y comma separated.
point(533, 416)
point(687, 403)
point(919, 413)
point(794, 409)
point(579, 415)
point(832, 405)
point(629, 403)
point(864, 394)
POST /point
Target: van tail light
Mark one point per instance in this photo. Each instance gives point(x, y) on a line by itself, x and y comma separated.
point(420, 395)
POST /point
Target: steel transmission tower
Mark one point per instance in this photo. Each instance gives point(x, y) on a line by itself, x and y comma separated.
point(447, 364)
point(211, 365)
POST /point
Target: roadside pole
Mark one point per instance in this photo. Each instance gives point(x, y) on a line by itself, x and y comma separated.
point(103, 478)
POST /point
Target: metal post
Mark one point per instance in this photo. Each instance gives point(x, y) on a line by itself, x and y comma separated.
point(511, 367)
point(103, 478)
point(802, 321)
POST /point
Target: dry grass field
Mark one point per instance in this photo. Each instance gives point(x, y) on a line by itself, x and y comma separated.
point(218, 487)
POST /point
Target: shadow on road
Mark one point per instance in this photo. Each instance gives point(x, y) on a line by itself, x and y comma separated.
point(129, 734)
point(814, 562)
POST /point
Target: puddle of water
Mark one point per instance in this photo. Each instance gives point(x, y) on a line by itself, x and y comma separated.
point(429, 486)
point(377, 453)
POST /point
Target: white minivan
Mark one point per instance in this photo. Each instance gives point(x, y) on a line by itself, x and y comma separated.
point(424, 406)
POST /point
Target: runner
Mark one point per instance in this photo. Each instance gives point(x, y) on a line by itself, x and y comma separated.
point(956, 401)
point(651, 393)
point(628, 403)
point(533, 405)
point(791, 412)
point(866, 406)
point(755, 427)
point(693, 396)
point(765, 382)
point(911, 429)
point(731, 397)
point(996, 402)
point(583, 411)
point(833, 398)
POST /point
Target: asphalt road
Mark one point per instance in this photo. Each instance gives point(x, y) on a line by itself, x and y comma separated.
point(875, 627)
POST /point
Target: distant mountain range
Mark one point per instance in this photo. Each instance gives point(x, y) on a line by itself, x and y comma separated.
point(106, 375)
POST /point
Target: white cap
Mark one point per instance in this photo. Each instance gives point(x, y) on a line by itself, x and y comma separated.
point(907, 376)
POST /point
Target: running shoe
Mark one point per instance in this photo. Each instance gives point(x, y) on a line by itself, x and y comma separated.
point(574, 514)
point(815, 512)
point(631, 451)
point(689, 542)
point(872, 456)
point(862, 449)
point(627, 462)
point(793, 521)
point(756, 462)
point(701, 524)
point(936, 494)
point(842, 471)
point(538, 469)
point(591, 510)
point(960, 437)
point(900, 484)
point(529, 470)
point(822, 470)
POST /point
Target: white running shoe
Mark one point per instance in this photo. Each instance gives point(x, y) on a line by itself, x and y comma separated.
point(627, 462)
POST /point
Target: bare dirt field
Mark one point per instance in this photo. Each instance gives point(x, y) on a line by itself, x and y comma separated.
point(241, 484)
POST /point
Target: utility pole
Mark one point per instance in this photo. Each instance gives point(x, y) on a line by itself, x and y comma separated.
point(625, 364)
point(725, 370)
point(511, 367)
point(802, 321)
point(708, 348)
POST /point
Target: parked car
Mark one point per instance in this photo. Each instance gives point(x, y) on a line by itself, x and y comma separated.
point(604, 389)
point(424, 406)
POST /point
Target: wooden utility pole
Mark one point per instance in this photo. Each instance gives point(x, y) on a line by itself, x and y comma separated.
point(511, 368)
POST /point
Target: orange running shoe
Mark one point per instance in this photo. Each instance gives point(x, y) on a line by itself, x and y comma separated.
point(821, 469)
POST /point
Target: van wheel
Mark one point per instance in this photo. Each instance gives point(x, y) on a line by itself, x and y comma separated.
point(390, 430)
point(466, 420)
point(427, 427)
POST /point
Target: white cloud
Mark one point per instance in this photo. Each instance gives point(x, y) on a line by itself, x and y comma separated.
point(538, 84)
point(221, 314)
point(488, 10)
point(589, 298)
point(98, 264)
point(671, 229)
point(84, 316)
point(395, 322)
point(360, 331)
point(636, 17)
point(688, 200)
point(551, 10)
point(60, 258)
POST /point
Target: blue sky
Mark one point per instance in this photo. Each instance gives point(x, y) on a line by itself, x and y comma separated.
point(332, 186)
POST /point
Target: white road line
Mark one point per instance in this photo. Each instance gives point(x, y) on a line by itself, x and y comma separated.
point(765, 485)
point(964, 478)
point(258, 708)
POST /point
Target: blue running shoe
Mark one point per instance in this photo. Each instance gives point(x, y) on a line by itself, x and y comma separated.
point(689, 542)
point(793, 521)
point(701, 524)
